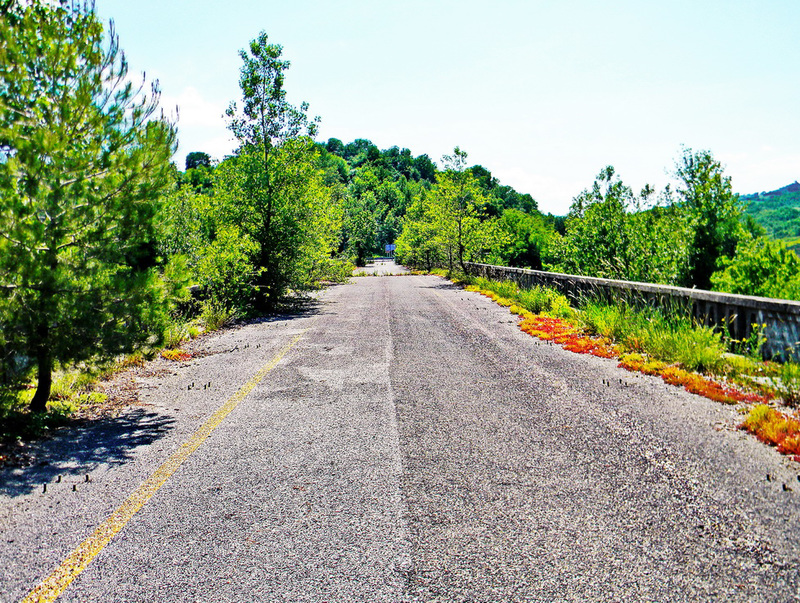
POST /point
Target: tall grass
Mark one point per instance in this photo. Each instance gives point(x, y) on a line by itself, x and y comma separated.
point(666, 334)
point(669, 337)
point(538, 300)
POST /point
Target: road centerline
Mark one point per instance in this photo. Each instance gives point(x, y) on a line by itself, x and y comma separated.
point(79, 559)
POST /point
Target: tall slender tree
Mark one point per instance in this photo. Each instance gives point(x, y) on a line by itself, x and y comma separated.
point(264, 125)
point(84, 155)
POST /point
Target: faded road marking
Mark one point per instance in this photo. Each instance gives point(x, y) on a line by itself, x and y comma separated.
point(77, 561)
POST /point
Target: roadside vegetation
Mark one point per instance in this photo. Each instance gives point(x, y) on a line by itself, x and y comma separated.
point(108, 253)
point(668, 344)
point(107, 249)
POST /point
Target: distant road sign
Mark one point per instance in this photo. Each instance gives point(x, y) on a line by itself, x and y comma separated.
point(391, 247)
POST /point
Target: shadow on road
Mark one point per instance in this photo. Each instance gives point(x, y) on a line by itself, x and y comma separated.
point(80, 446)
point(75, 450)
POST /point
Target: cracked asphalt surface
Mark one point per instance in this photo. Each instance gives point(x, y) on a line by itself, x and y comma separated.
point(413, 445)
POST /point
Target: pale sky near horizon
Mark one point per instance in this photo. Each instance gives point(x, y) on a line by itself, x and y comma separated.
point(543, 93)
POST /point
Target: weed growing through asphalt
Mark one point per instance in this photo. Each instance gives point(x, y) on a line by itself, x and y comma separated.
point(176, 355)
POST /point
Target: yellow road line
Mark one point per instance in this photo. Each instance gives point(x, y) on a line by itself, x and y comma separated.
point(77, 561)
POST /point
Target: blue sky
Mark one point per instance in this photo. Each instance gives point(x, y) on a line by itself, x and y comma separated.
point(544, 93)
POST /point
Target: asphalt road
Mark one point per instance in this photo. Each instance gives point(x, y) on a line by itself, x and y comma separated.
point(411, 445)
point(382, 266)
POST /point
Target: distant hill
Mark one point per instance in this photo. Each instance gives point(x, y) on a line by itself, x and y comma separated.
point(778, 212)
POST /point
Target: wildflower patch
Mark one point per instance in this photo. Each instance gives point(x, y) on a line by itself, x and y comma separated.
point(176, 355)
point(774, 428)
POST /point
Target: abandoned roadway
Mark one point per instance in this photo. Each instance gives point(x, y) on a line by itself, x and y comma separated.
point(404, 441)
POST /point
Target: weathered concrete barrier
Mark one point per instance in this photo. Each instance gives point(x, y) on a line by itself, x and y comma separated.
point(734, 314)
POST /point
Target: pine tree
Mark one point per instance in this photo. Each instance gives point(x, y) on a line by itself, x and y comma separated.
point(84, 155)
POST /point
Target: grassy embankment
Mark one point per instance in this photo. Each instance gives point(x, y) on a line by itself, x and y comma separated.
point(668, 344)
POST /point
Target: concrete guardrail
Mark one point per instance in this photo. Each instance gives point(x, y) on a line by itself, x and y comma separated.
point(734, 314)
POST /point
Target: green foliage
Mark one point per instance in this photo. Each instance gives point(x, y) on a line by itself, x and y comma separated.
point(417, 244)
point(778, 212)
point(446, 225)
point(215, 315)
point(334, 270)
point(360, 226)
point(385, 184)
point(271, 219)
point(283, 232)
point(502, 198)
point(760, 267)
point(524, 239)
point(669, 336)
point(199, 179)
point(85, 156)
point(538, 300)
point(713, 213)
point(176, 333)
point(267, 189)
point(606, 320)
point(266, 119)
point(608, 234)
point(227, 270)
point(197, 159)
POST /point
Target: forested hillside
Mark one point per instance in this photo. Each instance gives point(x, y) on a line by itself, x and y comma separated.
point(778, 212)
point(384, 192)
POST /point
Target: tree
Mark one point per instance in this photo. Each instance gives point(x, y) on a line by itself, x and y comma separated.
point(454, 197)
point(453, 207)
point(84, 158)
point(760, 267)
point(265, 125)
point(526, 236)
point(597, 239)
point(713, 212)
point(359, 226)
point(613, 233)
point(417, 244)
point(197, 159)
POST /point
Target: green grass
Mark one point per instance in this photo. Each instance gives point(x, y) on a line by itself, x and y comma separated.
point(71, 390)
point(214, 316)
point(73, 387)
point(539, 300)
point(669, 337)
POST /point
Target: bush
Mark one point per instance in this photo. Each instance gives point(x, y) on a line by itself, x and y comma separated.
point(227, 268)
point(334, 270)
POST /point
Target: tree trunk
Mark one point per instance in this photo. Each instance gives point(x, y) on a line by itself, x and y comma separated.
point(45, 378)
point(461, 246)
